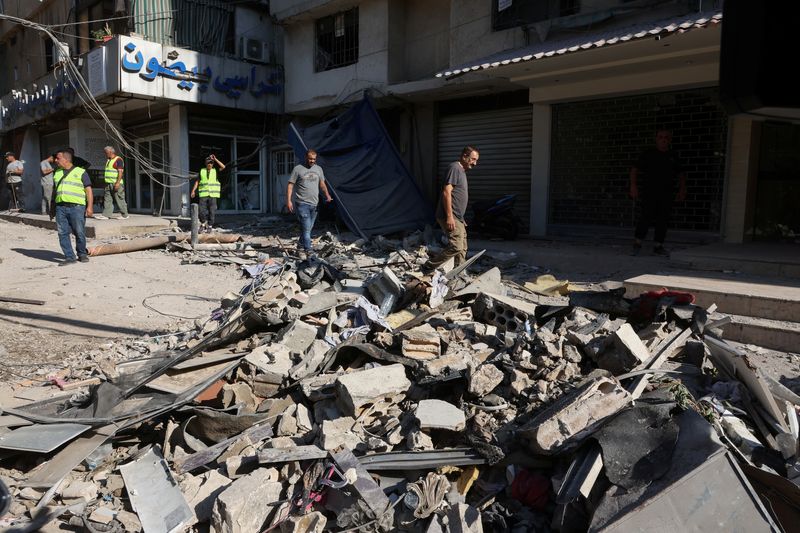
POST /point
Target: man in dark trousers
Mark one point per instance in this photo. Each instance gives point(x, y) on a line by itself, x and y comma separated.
point(72, 203)
point(453, 206)
point(208, 188)
point(653, 180)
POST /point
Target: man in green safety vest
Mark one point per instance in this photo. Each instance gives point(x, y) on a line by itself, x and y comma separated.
point(72, 203)
point(207, 188)
point(114, 185)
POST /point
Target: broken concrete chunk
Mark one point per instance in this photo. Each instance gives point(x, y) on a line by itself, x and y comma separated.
point(297, 337)
point(311, 361)
point(574, 416)
point(463, 518)
point(489, 283)
point(446, 364)
point(356, 390)
point(421, 343)
point(274, 361)
point(339, 432)
point(510, 314)
point(417, 440)
point(201, 492)
point(485, 379)
point(630, 349)
point(436, 414)
point(313, 522)
point(85, 491)
point(287, 426)
point(246, 504)
point(520, 382)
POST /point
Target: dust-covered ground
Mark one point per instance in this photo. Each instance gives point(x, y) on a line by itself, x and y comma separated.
point(86, 304)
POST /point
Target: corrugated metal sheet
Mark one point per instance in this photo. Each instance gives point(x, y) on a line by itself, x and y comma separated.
point(584, 42)
point(154, 19)
point(504, 140)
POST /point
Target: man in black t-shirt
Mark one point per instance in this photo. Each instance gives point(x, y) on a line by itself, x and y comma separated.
point(653, 180)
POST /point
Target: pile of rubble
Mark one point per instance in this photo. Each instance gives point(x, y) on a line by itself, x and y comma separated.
point(353, 392)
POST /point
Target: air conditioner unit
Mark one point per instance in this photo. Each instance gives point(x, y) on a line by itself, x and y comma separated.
point(254, 50)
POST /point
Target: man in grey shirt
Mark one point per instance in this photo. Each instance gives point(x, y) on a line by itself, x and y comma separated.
point(302, 197)
point(14, 171)
point(452, 206)
point(47, 183)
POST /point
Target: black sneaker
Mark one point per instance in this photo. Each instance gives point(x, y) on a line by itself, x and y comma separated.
point(84, 259)
point(66, 262)
point(660, 250)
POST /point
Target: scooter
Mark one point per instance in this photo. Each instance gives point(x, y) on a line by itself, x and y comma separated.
point(496, 218)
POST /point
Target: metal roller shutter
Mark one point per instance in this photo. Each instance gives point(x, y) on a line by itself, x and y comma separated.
point(504, 140)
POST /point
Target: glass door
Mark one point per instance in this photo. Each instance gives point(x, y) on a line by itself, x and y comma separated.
point(148, 194)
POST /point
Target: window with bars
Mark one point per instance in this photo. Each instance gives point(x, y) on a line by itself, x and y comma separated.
point(337, 40)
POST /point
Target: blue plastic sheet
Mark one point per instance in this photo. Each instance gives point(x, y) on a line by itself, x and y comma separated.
point(374, 191)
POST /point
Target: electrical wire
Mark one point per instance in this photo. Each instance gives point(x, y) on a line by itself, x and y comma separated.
point(187, 296)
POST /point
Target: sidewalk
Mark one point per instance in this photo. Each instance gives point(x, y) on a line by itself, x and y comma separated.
point(96, 229)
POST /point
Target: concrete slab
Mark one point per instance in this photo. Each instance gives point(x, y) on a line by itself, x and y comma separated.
point(775, 334)
point(761, 258)
point(756, 299)
point(96, 229)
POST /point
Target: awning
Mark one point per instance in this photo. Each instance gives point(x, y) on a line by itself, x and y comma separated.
point(585, 42)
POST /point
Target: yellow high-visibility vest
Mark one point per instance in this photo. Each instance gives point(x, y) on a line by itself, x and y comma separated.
point(209, 187)
point(111, 172)
point(69, 187)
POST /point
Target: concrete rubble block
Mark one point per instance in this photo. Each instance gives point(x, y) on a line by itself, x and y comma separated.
point(446, 364)
point(311, 361)
point(103, 515)
point(488, 283)
point(484, 380)
point(417, 440)
point(313, 522)
point(421, 343)
point(274, 361)
point(630, 348)
point(463, 518)
point(510, 314)
point(79, 491)
point(287, 425)
point(297, 337)
point(201, 492)
point(520, 382)
point(574, 416)
point(437, 414)
point(239, 394)
point(356, 390)
point(129, 521)
point(246, 504)
point(339, 432)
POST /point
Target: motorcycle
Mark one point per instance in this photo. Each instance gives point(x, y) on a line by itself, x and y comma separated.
point(496, 218)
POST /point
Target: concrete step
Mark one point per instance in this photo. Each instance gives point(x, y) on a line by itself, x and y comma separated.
point(775, 334)
point(756, 258)
point(771, 301)
point(97, 229)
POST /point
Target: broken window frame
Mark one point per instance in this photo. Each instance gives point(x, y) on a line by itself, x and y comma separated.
point(336, 40)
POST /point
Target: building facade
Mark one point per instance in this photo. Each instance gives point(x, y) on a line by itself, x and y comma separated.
point(178, 80)
point(561, 96)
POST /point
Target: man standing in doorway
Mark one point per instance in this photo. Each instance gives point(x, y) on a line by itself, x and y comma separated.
point(114, 185)
point(14, 171)
point(302, 197)
point(452, 206)
point(208, 189)
point(653, 180)
point(72, 203)
point(47, 182)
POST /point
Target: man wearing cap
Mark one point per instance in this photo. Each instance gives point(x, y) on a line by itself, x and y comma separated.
point(207, 188)
point(114, 185)
point(14, 170)
point(72, 203)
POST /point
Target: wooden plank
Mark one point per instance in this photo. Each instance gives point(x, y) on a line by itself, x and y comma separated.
point(285, 455)
point(68, 458)
point(203, 457)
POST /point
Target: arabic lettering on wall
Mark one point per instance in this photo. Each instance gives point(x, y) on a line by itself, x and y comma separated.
point(233, 87)
point(48, 99)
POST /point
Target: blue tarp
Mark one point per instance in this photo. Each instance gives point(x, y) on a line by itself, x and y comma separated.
point(374, 191)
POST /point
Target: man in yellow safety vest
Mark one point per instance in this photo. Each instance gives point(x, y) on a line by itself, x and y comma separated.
point(207, 188)
point(72, 203)
point(114, 185)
